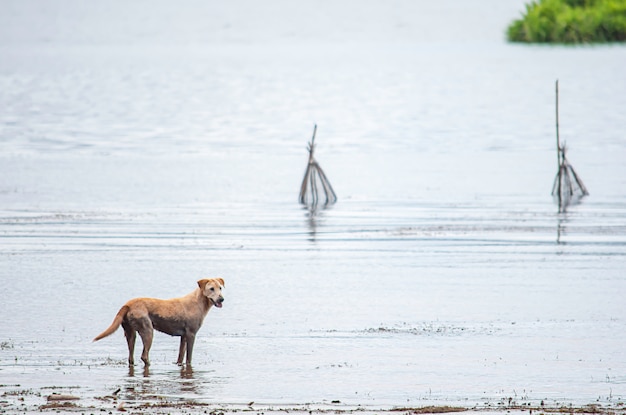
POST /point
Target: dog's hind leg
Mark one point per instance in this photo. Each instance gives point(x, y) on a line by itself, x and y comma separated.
point(181, 351)
point(146, 332)
point(146, 338)
point(131, 335)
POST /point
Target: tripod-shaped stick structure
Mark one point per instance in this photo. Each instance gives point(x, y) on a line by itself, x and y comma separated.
point(567, 187)
point(309, 194)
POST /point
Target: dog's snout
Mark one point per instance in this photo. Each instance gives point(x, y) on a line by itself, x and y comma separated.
point(220, 299)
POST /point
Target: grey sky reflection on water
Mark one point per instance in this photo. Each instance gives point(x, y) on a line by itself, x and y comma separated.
point(145, 145)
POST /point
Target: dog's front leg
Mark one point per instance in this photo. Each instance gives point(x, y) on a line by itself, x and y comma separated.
point(191, 338)
point(181, 350)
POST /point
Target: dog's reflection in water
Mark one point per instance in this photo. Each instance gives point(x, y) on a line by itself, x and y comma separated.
point(189, 382)
point(186, 371)
point(142, 385)
point(145, 371)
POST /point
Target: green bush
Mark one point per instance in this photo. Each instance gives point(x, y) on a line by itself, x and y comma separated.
point(571, 21)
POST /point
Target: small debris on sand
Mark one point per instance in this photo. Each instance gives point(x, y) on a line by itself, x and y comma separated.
point(55, 397)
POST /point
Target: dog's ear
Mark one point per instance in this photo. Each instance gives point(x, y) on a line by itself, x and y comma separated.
point(221, 281)
point(202, 283)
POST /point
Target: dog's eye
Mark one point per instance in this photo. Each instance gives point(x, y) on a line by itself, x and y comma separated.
point(212, 289)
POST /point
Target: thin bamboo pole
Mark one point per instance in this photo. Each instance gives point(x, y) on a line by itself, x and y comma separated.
point(566, 180)
point(558, 148)
point(558, 139)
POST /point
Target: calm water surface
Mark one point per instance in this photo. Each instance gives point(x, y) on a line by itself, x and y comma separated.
point(142, 151)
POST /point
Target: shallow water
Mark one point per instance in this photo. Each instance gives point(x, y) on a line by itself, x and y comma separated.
point(144, 153)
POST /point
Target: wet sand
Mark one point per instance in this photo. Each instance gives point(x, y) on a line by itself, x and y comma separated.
point(15, 400)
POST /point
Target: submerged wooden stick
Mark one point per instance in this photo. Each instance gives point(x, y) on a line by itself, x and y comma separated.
point(312, 173)
point(309, 167)
point(578, 180)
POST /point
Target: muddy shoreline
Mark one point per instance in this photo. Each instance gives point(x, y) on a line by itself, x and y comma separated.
point(14, 400)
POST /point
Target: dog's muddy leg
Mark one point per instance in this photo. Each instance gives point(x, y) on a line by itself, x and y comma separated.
point(146, 337)
point(131, 335)
point(191, 338)
point(181, 351)
point(147, 343)
point(146, 332)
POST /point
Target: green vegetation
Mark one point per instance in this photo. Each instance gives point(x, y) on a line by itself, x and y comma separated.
point(571, 21)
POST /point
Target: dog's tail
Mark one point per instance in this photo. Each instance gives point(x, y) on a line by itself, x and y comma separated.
point(117, 321)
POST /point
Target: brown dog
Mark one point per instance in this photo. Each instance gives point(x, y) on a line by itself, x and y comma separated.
point(181, 316)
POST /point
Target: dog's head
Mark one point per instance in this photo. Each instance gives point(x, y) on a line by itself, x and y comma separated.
point(212, 289)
